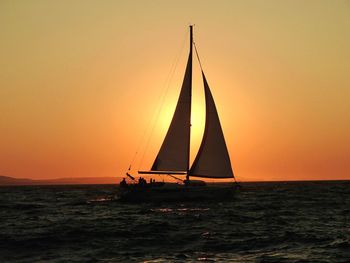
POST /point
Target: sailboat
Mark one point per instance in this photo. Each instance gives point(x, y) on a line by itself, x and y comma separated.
point(211, 161)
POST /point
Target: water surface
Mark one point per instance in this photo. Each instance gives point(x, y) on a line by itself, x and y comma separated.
point(266, 222)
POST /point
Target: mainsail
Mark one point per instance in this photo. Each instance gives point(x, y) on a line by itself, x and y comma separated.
point(212, 160)
point(174, 153)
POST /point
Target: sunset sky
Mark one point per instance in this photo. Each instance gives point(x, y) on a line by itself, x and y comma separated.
point(81, 83)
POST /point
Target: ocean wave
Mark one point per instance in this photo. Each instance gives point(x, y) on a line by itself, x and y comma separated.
point(269, 222)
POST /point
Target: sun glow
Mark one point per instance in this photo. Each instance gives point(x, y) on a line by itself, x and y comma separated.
point(79, 88)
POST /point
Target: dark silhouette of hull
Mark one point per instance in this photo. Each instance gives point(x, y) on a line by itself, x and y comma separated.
point(176, 193)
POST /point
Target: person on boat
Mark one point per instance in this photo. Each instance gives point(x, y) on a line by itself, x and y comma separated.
point(142, 181)
point(123, 183)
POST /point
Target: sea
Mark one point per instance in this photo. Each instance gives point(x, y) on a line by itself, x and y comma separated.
point(263, 222)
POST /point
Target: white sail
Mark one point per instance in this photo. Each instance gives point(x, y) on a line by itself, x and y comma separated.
point(212, 160)
point(175, 150)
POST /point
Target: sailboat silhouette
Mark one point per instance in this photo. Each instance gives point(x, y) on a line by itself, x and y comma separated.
point(212, 159)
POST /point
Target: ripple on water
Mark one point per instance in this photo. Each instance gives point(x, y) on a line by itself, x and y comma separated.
point(267, 222)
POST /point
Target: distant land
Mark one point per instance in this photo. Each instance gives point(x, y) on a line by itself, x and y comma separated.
point(6, 180)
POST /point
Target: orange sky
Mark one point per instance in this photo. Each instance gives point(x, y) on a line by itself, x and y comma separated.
point(80, 82)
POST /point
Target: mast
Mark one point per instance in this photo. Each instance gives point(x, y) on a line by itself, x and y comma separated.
point(191, 38)
point(189, 145)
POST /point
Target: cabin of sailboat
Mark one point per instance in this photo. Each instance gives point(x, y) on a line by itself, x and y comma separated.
point(212, 159)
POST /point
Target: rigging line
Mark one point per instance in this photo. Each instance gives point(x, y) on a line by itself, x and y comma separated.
point(138, 148)
point(195, 48)
point(149, 122)
point(154, 111)
point(162, 96)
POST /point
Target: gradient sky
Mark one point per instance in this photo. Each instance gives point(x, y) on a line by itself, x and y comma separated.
point(80, 82)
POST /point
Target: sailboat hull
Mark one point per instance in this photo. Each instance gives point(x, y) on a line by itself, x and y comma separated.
point(176, 193)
